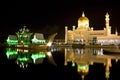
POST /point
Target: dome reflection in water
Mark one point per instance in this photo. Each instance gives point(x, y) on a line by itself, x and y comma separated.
point(84, 64)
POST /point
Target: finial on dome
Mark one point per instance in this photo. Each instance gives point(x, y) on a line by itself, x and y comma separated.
point(107, 14)
point(83, 15)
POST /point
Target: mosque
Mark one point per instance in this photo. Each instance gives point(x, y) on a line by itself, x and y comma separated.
point(84, 34)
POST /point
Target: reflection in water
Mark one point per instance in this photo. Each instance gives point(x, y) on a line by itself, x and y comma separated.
point(80, 58)
point(11, 53)
point(24, 57)
point(85, 57)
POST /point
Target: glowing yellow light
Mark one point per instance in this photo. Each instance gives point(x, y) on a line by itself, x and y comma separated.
point(49, 44)
point(49, 54)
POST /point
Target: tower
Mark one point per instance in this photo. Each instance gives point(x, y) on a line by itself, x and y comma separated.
point(108, 28)
point(66, 29)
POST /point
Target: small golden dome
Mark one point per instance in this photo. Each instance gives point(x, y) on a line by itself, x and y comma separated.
point(83, 18)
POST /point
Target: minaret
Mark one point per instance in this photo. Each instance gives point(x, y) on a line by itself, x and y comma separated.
point(108, 28)
point(66, 31)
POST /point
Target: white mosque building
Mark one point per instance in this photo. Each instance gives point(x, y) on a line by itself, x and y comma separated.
point(84, 34)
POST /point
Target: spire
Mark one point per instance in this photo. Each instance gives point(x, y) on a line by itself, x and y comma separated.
point(83, 15)
point(107, 15)
point(83, 77)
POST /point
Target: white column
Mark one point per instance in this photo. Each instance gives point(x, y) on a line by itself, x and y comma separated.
point(73, 28)
point(66, 31)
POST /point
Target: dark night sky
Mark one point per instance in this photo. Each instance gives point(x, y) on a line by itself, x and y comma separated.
point(50, 16)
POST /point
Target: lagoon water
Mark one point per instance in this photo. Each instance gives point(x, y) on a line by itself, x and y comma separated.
point(58, 63)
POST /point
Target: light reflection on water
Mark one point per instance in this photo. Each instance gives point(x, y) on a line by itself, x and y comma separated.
point(84, 58)
point(80, 63)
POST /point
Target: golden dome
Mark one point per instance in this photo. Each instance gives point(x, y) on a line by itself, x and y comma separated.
point(83, 18)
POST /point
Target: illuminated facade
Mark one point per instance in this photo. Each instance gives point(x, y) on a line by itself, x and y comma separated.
point(22, 37)
point(38, 39)
point(12, 40)
point(84, 34)
point(25, 37)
